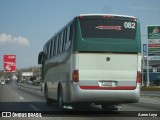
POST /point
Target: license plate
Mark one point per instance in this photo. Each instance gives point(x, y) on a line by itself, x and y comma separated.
point(109, 84)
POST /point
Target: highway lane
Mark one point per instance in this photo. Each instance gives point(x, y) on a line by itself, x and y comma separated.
point(151, 93)
point(23, 97)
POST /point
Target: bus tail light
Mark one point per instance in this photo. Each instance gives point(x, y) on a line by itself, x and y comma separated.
point(75, 76)
point(138, 77)
point(107, 16)
point(80, 17)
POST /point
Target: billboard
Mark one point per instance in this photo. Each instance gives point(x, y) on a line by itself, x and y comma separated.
point(9, 63)
point(153, 32)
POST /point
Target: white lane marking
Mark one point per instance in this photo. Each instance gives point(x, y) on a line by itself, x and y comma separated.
point(149, 102)
point(21, 98)
point(34, 108)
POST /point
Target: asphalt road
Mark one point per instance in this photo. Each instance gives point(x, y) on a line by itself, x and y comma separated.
point(151, 93)
point(27, 98)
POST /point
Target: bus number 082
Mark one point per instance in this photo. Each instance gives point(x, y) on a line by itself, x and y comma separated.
point(130, 25)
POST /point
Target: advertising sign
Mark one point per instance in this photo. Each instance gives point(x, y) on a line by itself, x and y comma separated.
point(9, 63)
point(27, 73)
point(154, 45)
point(153, 32)
point(154, 41)
point(154, 57)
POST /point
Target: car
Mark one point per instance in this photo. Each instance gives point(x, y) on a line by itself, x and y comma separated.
point(29, 82)
point(36, 82)
point(157, 82)
point(2, 82)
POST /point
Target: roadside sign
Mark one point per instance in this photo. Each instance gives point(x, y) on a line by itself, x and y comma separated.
point(154, 57)
point(154, 45)
point(153, 41)
point(145, 48)
point(9, 63)
point(153, 32)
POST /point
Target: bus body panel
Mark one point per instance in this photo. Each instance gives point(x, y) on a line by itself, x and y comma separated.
point(94, 69)
point(59, 74)
point(97, 67)
point(104, 96)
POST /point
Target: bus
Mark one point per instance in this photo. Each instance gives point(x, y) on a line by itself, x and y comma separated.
point(95, 58)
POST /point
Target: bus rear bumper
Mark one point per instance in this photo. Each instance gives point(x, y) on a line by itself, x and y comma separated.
point(105, 96)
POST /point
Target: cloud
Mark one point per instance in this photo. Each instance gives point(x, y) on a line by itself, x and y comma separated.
point(9, 39)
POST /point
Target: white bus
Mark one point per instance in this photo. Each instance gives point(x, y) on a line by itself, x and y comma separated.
point(93, 59)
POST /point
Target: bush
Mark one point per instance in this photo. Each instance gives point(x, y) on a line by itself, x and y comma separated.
point(150, 88)
point(33, 78)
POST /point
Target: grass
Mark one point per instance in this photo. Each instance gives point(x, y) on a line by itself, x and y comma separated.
point(150, 88)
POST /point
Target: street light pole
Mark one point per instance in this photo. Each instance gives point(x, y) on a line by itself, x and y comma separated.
point(148, 83)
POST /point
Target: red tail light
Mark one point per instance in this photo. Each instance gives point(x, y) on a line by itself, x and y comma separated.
point(135, 19)
point(80, 17)
point(75, 76)
point(108, 16)
point(138, 77)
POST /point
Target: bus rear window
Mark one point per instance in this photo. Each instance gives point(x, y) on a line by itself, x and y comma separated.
point(108, 28)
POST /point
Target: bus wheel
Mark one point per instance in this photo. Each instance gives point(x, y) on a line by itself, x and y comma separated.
point(48, 100)
point(60, 98)
point(110, 107)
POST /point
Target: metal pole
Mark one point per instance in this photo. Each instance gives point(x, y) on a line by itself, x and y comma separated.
point(148, 83)
point(143, 70)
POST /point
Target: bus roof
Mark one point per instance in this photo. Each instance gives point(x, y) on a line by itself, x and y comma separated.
point(107, 15)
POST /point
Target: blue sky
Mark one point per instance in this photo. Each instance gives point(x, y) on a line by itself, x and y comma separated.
point(25, 25)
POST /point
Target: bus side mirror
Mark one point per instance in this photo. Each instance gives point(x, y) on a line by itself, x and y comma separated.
point(40, 57)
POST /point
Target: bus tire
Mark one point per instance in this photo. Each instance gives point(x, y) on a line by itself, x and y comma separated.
point(48, 100)
point(60, 98)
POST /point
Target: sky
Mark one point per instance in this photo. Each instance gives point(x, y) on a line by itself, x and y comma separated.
point(25, 25)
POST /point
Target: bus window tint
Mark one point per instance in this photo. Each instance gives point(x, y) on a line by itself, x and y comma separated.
point(68, 41)
point(108, 28)
point(64, 38)
point(71, 32)
point(55, 46)
point(59, 43)
point(51, 48)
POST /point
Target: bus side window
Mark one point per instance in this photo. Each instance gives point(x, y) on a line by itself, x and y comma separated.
point(59, 43)
point(68, 41)
point(51, 48)
point(64, 39)
point(71, 32)
point(47, 52)
point(55, 45)
point(41, 57)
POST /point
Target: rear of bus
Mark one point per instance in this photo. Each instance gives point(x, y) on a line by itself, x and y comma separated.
point(107, 59)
